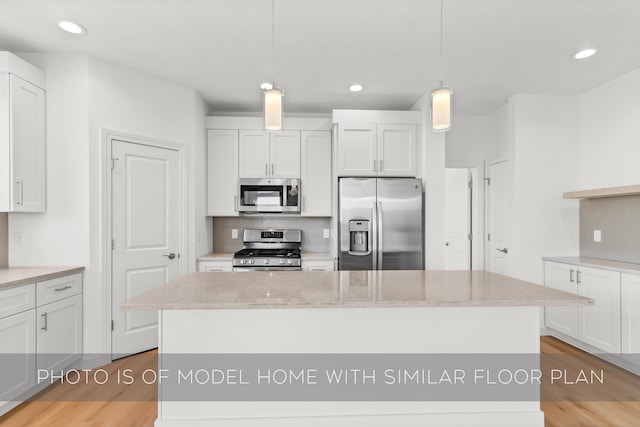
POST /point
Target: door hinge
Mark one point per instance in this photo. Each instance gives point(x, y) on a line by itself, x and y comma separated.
point(488, 181)
point(470, 236)
point(113, 244)
point(488, 237)
point(113, 162)
point(470, 184)
point(113, 327)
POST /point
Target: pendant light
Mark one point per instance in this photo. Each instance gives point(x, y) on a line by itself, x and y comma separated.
point(441, 97)
point(273, 111)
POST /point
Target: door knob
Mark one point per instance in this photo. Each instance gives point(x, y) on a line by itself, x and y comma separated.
point(504, 251)
point(446, 244)
point(170, 256)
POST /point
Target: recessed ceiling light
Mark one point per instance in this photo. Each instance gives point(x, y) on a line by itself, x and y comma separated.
point(266, 86)
point(585, 53)
point(72, 27)
point(356, 88)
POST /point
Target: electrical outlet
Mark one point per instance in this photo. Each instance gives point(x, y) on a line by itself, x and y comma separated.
point(234, 233)
point(17, 238)
point(597, 235)
point(325, 233)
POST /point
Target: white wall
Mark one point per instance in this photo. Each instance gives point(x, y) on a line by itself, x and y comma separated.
point(84, 97)
point(431, 169)
point(609, 134)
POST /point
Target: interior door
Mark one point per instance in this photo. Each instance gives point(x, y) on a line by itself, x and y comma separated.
point(497, 246)
point(457, 225)
point(399, 222)
point(146, 231)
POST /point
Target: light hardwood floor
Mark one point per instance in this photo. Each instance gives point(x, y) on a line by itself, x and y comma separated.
point(111, 406)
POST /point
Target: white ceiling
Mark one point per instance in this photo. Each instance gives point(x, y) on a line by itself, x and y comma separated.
point(222, 48)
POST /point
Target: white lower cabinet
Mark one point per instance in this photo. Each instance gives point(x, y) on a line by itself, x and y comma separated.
point(215, 265)
point(597, 325)
point(630, 317)
point(317, 265)
point(18, 346)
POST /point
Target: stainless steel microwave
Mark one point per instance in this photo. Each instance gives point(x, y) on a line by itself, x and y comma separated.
point(269, 195)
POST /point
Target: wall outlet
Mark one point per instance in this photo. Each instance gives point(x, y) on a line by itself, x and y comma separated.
point(17, 238)
point(234, 233)
point(325, 233)
point(597, 235)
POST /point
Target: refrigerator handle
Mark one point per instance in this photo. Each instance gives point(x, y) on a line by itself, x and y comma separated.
point(373, 234)
point(379, 234)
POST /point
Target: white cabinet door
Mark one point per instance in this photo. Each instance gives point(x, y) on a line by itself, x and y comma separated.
point(316, 265)
point(18, 344)
point(599, 325)
point(215, 265)
point(396, 150)
point(357, 150)
point(316, 173)
point(59, 340)
point(284, 154)
point(563, 278)
point(222, 172)
point(253, 154)
point(630, 315)
point(22, 143)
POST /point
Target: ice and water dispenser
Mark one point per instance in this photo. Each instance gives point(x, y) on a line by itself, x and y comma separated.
point(359, 236)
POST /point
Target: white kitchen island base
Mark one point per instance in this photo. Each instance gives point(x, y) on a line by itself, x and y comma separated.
point(461, 330)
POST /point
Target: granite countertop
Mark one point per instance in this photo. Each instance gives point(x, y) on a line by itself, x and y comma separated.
point(623, 267)
point(15, 276)
point(344, 289)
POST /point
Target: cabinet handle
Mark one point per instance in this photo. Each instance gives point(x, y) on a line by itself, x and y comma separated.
point(272, 169)
point(380, 166)
point(64, 288)
point(571, 279)
point(578, 280)
point(44, 316)
point(20, 192)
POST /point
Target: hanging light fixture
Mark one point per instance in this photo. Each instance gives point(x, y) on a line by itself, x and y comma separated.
point(441, 97)
point(273, 111)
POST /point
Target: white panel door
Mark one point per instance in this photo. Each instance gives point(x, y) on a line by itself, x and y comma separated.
point(599, 324)
point(563, 278)
point(357, 152)
point(222, 172)
point(28, 146)
point(316, 173)
point(498, 245)
point(253, 154)
point(284, 154)
point(457, 204)
point(146, 233)
point(396, 150)
point(630, 317)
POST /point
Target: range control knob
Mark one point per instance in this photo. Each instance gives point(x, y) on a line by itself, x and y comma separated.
point(289, 261)
point(266, 261)
point(251, 261)
point(281, 261)
point(243, 261)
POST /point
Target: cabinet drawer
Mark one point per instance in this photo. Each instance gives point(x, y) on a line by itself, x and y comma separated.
point(16, 300)
point(215, 265)
point(59, 288)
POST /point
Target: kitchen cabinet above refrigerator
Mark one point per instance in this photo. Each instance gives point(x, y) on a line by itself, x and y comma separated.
point(22, 136)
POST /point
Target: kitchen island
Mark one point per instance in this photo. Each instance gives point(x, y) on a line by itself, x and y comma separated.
point(361, 314)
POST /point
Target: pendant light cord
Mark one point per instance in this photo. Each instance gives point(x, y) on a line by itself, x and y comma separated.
point(441, 43)
point(273, 41)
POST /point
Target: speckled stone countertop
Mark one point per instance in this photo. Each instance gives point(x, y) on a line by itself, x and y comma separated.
point(16, 276)
point(623, 267)
point(344, 289)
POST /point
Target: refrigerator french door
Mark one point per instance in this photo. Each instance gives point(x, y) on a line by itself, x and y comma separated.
point(381, 224)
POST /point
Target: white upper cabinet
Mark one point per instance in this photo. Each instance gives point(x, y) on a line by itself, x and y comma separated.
point(22, 145)
point(222, 172)
point(316, 173)
point(376, 150)
point(264, 155)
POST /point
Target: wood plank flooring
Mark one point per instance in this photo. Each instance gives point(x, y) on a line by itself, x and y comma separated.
point(113, 406)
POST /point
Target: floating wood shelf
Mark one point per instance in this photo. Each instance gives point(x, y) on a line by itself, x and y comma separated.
point(627, 190)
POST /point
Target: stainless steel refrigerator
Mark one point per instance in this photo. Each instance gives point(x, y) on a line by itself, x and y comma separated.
point(381, 224)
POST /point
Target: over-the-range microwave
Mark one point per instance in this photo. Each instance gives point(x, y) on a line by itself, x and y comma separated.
point(269, 195)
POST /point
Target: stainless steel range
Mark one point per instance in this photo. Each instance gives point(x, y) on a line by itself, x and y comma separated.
point(269, 250)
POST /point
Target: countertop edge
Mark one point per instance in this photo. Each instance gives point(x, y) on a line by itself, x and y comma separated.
point(38, 277)
point(622, 267)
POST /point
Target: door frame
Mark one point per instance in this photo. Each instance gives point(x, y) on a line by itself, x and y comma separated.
point(108, 136)
point(487, 204)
